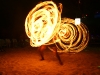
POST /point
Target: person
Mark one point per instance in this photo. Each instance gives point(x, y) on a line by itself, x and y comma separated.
point(44, 47)
point(57, 55)
point(41, 49)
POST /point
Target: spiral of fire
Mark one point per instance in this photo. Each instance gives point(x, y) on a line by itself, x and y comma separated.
point(71, 37)
point(43, 25)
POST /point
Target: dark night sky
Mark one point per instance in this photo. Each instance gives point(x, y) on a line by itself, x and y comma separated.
point(14, 12)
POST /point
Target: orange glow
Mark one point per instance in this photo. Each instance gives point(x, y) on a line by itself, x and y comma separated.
point(43, 25)
point(72, 38)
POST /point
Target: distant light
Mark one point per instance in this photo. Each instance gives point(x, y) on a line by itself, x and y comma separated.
point(86, 15)
point(77, 21)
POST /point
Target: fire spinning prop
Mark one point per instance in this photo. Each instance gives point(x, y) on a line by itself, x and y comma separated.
point(44, 26)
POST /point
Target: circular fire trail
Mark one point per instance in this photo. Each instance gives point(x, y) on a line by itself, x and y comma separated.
point(42, 23)
point(44, 26)
point(71, 37)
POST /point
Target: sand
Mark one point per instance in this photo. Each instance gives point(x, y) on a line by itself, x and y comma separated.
point(26, 61)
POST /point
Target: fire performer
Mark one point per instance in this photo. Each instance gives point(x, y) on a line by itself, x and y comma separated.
point(44, 47)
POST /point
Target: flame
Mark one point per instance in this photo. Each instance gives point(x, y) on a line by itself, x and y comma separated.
point(43, 25)
point(72, 38)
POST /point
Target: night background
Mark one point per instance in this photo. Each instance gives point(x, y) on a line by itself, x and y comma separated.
point(13, 14)
point(19, 58)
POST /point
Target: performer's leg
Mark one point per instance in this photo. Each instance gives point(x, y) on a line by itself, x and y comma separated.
point(58, 57)
point(41, 49)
